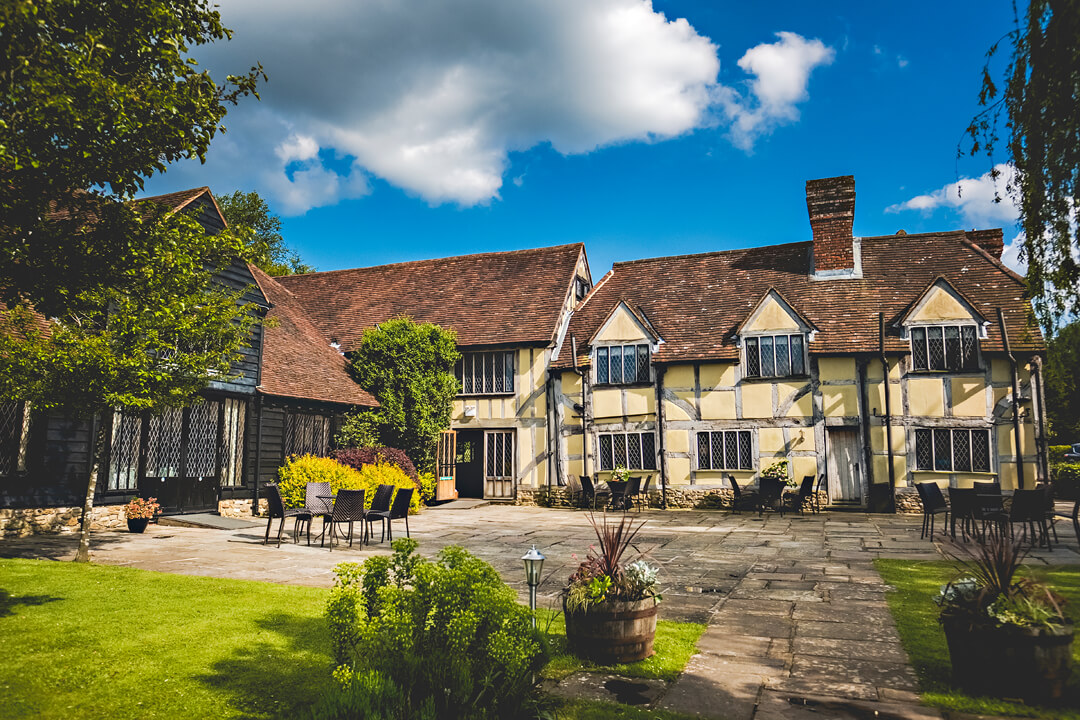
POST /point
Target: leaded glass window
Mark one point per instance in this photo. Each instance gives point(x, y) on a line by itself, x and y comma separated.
point(953, 450)
point(307, 434)
point(486, 373)
point(622, 364)
point(725, 450)
point(775, 356)
point(634, 451)
point(14, 436)
point(944, 348)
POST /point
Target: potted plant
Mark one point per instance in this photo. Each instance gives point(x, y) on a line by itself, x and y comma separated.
point(609, 605)
point(1007, 635)
point(779, 471)
point(139, 512)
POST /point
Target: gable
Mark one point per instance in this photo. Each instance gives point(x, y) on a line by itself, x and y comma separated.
point(939, 303)
point(622, 325)
point(773, 313)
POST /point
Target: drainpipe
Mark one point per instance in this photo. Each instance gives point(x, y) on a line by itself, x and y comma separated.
point(584, 409)
point(660, 434)
point(888, 404)
point(258, 452)
point(1040, 417)
point(1015, 401)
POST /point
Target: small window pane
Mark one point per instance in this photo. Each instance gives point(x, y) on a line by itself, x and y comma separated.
point(924, 450)
point(508, 373)
point(616, 364)
point(980, 450)
point(703, 455)
point(918, 349)
point(783, 356)
point(961, 450)
point(753, 359)
point(633, 451)
point(967, 348)
point(746, 462)
point(768, 364)
point(648, 451)
point(935, 348)
point(942, 450)
point(731, 450)
point(717, 450)
point(619, 450)
point(605, 453)
point(952, 348)
point(797, 367)
point(643, 363)
point(497, 361)
point(629, 364)
point(602, 365)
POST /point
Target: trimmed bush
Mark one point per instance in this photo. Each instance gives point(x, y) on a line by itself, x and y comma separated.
point(1056, 453)
point(1066, 480)
point(359, 457)
point(428, 485)
point(299, 470)
point(416, 638)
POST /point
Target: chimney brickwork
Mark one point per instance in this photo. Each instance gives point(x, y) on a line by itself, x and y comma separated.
point(992, 241)
point(831, 204)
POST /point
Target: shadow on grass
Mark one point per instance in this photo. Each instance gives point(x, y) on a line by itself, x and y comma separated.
point(277, 677)
point(9, 602)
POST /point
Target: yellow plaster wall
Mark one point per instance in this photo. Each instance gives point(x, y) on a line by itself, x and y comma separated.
point(1005, 440)
point(640, 401)
point(677, 441)
point(940, 305)
point(926, 397)
point(621, 327)
point(839, 400)
point(770, 440)
point(803, 466)
point(969, 397)
point(757, 400)
point(878, 438)
point(803, 407)
point(571, 383)
point(876, 393)
point(1000, 372)
point(720, 404)
point(678, 471)
point(679, 376)
point(607, 403)
point(771, 316)
point(575, 467)
point(873, 369)
point(674, 412)
point(836, 369)
point(715, 375)
point(802, 439)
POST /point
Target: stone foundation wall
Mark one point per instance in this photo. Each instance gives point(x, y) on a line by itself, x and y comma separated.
point(908, 502)
point(21, 522)
point(240, 508)
point(679, 497)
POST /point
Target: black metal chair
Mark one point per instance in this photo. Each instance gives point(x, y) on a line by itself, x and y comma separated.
point(806, 493)
point(317, 506)
point(399, 509)
point(1074, 516)
point(278, 510)
point(1029, 510)
point(988, 487)
point(823, 479)
point(625, 499)
point(771, 495)
point(933, 503)
point(963, 504)
point(641, 499)
point(593, 493)
point(573, 491)
point(741, 501)
point(348, 508)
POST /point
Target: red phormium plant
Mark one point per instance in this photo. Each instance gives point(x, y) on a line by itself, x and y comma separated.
point(613, 540)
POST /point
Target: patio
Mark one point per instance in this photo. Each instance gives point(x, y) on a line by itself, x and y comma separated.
point(794, 606)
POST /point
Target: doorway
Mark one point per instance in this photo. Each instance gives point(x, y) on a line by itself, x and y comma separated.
point(469, 463)
point(499, 464)
point(845, 482)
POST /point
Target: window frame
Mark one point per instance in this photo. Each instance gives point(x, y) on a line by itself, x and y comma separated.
point(974, 361)
point(611, 436)
point(935, 436)
point(641, 368)
point(754, 343)
point(486, 358)
point(751, 465)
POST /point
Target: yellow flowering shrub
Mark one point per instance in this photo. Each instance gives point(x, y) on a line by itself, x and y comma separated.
point(298, 471)
point(384, 473)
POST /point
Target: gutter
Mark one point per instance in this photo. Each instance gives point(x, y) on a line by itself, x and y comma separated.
point(660, 434)
point(888, 404)
point(1015, 400)
point(584, 409)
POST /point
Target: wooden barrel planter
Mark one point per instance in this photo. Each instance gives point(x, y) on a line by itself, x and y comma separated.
point(1029, 663)
point(613, 632)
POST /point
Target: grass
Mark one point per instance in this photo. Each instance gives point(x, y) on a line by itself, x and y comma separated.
point(912, 606)
point(92, 641)
point(96, 641)
point(674, 645)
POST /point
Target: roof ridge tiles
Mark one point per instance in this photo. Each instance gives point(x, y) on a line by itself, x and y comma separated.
point(711, 253)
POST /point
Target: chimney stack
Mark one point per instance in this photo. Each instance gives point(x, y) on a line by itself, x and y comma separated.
point(831, 204)
point(992, 241)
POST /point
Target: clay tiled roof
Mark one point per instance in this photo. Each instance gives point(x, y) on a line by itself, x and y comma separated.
point(696, 302)
point(297, 359)
point(488, 299)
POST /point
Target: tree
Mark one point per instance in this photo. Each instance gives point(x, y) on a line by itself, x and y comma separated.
point(248, 214)
point(1041, 102)
point(1063, 384)
point(409, 368)
point(94, 100)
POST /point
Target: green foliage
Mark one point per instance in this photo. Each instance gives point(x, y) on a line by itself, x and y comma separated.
point(1057, 453)
point(249, 216)
point(428, 484)
point(409, 368)
point(1063, 383)
point(1066, 480)
point(602, 576)
point(443, 638)
point(779, 471)
point(299, 470)
point(1039, 100)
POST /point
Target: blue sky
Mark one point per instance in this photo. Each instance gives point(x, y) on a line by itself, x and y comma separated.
point(401, 134)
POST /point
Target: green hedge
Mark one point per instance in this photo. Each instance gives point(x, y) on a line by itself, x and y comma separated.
point(298, 471)
point(1057, 453)
point(1066, 480)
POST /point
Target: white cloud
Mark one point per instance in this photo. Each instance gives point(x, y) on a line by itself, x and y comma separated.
point(1011, 255)
point(972, 198)
point(433, 96)
point(781, 73)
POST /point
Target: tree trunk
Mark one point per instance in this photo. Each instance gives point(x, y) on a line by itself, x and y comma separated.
point(83, 554)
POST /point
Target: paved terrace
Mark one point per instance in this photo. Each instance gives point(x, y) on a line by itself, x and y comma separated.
point(797, 620)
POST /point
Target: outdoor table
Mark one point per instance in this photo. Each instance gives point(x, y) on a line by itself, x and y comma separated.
point(990, 508)
point(618, 493)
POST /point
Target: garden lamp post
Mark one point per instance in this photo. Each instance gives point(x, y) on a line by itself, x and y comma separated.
point(534, 563)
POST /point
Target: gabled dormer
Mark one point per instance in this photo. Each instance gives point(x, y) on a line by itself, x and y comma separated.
point(944, 329)
point(773, 338)
point(622, 347)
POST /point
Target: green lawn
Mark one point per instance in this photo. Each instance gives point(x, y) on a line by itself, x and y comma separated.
point(94, 641)
point(912, 606)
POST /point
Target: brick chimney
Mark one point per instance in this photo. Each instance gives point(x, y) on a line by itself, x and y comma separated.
point(992, 241)
point(831, 204)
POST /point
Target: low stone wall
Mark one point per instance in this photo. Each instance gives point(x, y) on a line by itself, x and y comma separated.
point(21, 522)
point(679, 497)
point(240, 508)
point(908, 502)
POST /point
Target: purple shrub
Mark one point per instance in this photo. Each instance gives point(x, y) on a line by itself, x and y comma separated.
point(359, 457)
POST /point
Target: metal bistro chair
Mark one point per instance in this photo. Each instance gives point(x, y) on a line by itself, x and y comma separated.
point(1074, 516)
point(398, 510)
point(1029, 510)
point(625, 499)
point(804, 496)
point(963, 504)
point(641, 499)
point(574, 492)
point(770, 495)
point(348, 508)
point(316, 506)
point(933, 503)
point(822, 483)
point(591, 492)
point(278, 510)
point(741, 501)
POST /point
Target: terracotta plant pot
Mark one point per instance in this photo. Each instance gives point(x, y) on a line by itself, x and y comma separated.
point(613, 632)
point(137, 525)
point(1009, 661)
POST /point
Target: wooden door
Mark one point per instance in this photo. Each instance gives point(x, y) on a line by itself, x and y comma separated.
point(843, 460)
point(499, 464)
point(446, 466)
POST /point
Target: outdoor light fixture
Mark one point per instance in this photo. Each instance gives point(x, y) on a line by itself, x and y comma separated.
point(534, 564)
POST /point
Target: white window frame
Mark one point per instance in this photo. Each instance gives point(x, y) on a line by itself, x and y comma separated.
point(952, 450)
point(723, 438)
point(925, 328)
point(607, 351)
point(753, 343)
point(479, 364)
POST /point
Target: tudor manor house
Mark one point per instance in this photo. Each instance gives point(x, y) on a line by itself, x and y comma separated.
point(876, 362)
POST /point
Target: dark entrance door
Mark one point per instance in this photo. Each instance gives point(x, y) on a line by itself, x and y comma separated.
point(182, 462)
point(470, 463)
